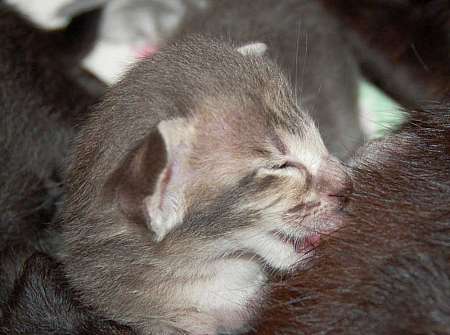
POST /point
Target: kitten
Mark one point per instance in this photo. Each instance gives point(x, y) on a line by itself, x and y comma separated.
point(308, 44)
point(387, 269)
point(196, 177)
point(40, 104)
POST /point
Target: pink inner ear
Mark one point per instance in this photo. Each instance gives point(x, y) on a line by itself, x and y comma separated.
point(164, 182)
point(165, 206)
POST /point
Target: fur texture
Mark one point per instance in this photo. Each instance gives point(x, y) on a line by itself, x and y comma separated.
point(35, 299)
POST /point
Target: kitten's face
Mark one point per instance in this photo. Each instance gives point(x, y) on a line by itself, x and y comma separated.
point(262, 180)
point(296, 193)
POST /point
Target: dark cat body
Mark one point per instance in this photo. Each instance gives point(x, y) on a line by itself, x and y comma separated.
point(387, 270)
point(309, 46)
point(42, 98)
point(40, 105)
point(36, 300)
point(402, 46)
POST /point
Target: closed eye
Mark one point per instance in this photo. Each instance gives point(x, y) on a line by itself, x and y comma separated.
point(276, 165)
point(283, 165)
point(287, 164)
point(286, 168)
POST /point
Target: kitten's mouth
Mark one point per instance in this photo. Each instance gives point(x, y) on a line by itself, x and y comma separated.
point(301, 245)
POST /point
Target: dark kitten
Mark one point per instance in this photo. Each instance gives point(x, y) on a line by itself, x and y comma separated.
point(40, 104)
point(387, 270)
point(402, 46)
point(35, 299)
point(309, 46)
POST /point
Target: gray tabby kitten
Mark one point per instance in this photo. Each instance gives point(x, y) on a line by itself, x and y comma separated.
point(197, 177)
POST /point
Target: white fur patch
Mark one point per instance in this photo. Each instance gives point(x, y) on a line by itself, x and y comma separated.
point(275, 253)
point(163, 220)
point(253, 49)
point(225, 296)
point(41, 12)
point(309, 150)
point(109, 61)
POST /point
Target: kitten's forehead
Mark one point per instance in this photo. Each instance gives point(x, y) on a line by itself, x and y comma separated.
point(306, 148)
point(253, 121)
point(238, 138)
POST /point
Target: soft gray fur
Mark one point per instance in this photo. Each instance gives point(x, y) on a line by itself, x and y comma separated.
point(196, 177)
point(309, 46)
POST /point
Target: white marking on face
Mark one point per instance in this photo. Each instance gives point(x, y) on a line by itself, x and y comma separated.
point(308, 150)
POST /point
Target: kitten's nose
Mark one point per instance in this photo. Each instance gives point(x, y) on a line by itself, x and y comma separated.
point(333, 181)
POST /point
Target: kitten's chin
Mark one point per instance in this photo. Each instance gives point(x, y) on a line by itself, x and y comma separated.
point(282, 252)
point(294, 251)
point(302, 245)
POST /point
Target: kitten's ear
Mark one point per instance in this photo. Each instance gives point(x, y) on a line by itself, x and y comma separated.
point(149, 185)
point(165, 207)
point(253, 49)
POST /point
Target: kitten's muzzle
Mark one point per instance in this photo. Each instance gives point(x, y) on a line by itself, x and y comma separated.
point(332, 182)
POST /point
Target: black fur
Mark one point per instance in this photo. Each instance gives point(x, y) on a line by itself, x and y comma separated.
point(402, 46)
point(40, 105)
point(40, 301)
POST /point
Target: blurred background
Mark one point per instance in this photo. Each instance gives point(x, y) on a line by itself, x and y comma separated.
point(402, 45)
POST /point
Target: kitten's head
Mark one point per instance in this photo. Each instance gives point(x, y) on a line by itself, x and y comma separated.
point(243, 172)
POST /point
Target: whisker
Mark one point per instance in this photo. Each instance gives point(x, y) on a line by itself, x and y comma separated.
point(304, 61)
point(419, 58)
point(296, 60)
